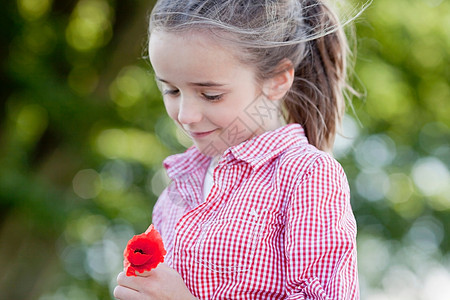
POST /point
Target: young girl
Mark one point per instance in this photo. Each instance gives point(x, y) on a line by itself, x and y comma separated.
point(256, 209)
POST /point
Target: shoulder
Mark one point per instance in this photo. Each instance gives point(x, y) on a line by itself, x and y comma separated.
point(303, 163)
point(299, 161)
point(314, 181)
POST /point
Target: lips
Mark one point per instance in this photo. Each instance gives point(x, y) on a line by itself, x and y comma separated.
point(200, 134)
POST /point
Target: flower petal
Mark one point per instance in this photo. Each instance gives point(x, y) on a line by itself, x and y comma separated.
point(138, 259)
point(144, 252)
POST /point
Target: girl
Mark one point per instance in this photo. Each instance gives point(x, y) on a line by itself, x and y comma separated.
point(256, 209)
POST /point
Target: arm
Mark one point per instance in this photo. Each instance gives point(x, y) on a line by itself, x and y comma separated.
point(321, 236)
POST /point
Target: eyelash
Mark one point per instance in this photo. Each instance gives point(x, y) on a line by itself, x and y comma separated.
point(211, 98)
point(171, 92)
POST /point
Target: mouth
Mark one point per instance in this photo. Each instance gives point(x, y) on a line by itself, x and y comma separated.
point(200, 134)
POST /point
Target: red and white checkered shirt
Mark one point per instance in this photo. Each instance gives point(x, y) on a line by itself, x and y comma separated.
point(277, 223)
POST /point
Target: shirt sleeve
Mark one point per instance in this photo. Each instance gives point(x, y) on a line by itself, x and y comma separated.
point(320, 236)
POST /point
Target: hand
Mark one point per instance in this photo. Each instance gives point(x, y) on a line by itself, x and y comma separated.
point(163, 282)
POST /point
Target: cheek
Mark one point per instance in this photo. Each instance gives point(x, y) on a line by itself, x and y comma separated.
point(172, 109)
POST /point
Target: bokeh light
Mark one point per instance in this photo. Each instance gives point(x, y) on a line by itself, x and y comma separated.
point(87, 184)
point(347, 136)
point(90, 25)
point(431, 176)
point(31, 122)
point(133, 84)
point(375, 152)
point(33, 9)
point(130, 144)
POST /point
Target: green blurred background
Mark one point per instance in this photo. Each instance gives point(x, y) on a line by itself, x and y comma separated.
point(83, 133)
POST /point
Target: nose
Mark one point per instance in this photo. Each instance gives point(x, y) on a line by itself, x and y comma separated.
point(189, 110)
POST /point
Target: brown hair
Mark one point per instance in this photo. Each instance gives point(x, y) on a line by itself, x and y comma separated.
point(316, 100)
point(306, 32)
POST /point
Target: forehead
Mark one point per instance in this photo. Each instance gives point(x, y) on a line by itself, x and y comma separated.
point(203, 40)
point(192, 52)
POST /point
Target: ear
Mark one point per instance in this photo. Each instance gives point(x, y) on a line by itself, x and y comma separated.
point(277, 86)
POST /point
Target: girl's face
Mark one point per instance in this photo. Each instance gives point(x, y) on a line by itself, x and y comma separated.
point(208, 92)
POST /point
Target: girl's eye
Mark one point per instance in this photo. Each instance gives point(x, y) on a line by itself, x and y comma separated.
point(173, 92)
point(212, 97)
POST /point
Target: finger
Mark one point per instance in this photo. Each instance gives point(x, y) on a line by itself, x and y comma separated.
point(127, 281)
point(124, 293)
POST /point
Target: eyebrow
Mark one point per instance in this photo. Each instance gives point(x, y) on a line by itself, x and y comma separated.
point(202, 84)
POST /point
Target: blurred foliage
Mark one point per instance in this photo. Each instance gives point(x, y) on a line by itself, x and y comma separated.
point(83, 133)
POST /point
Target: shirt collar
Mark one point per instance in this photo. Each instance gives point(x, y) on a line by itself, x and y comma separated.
point(271, 144)
point(190, 161)
point(256, 151)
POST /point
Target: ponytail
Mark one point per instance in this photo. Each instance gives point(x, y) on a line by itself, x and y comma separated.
point(316, 99)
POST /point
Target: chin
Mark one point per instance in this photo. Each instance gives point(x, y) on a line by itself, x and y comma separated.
point(210, 149)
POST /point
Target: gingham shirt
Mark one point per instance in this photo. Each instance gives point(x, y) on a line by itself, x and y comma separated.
point(277, 223)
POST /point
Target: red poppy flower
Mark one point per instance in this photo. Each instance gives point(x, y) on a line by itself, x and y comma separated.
point(144, 252)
